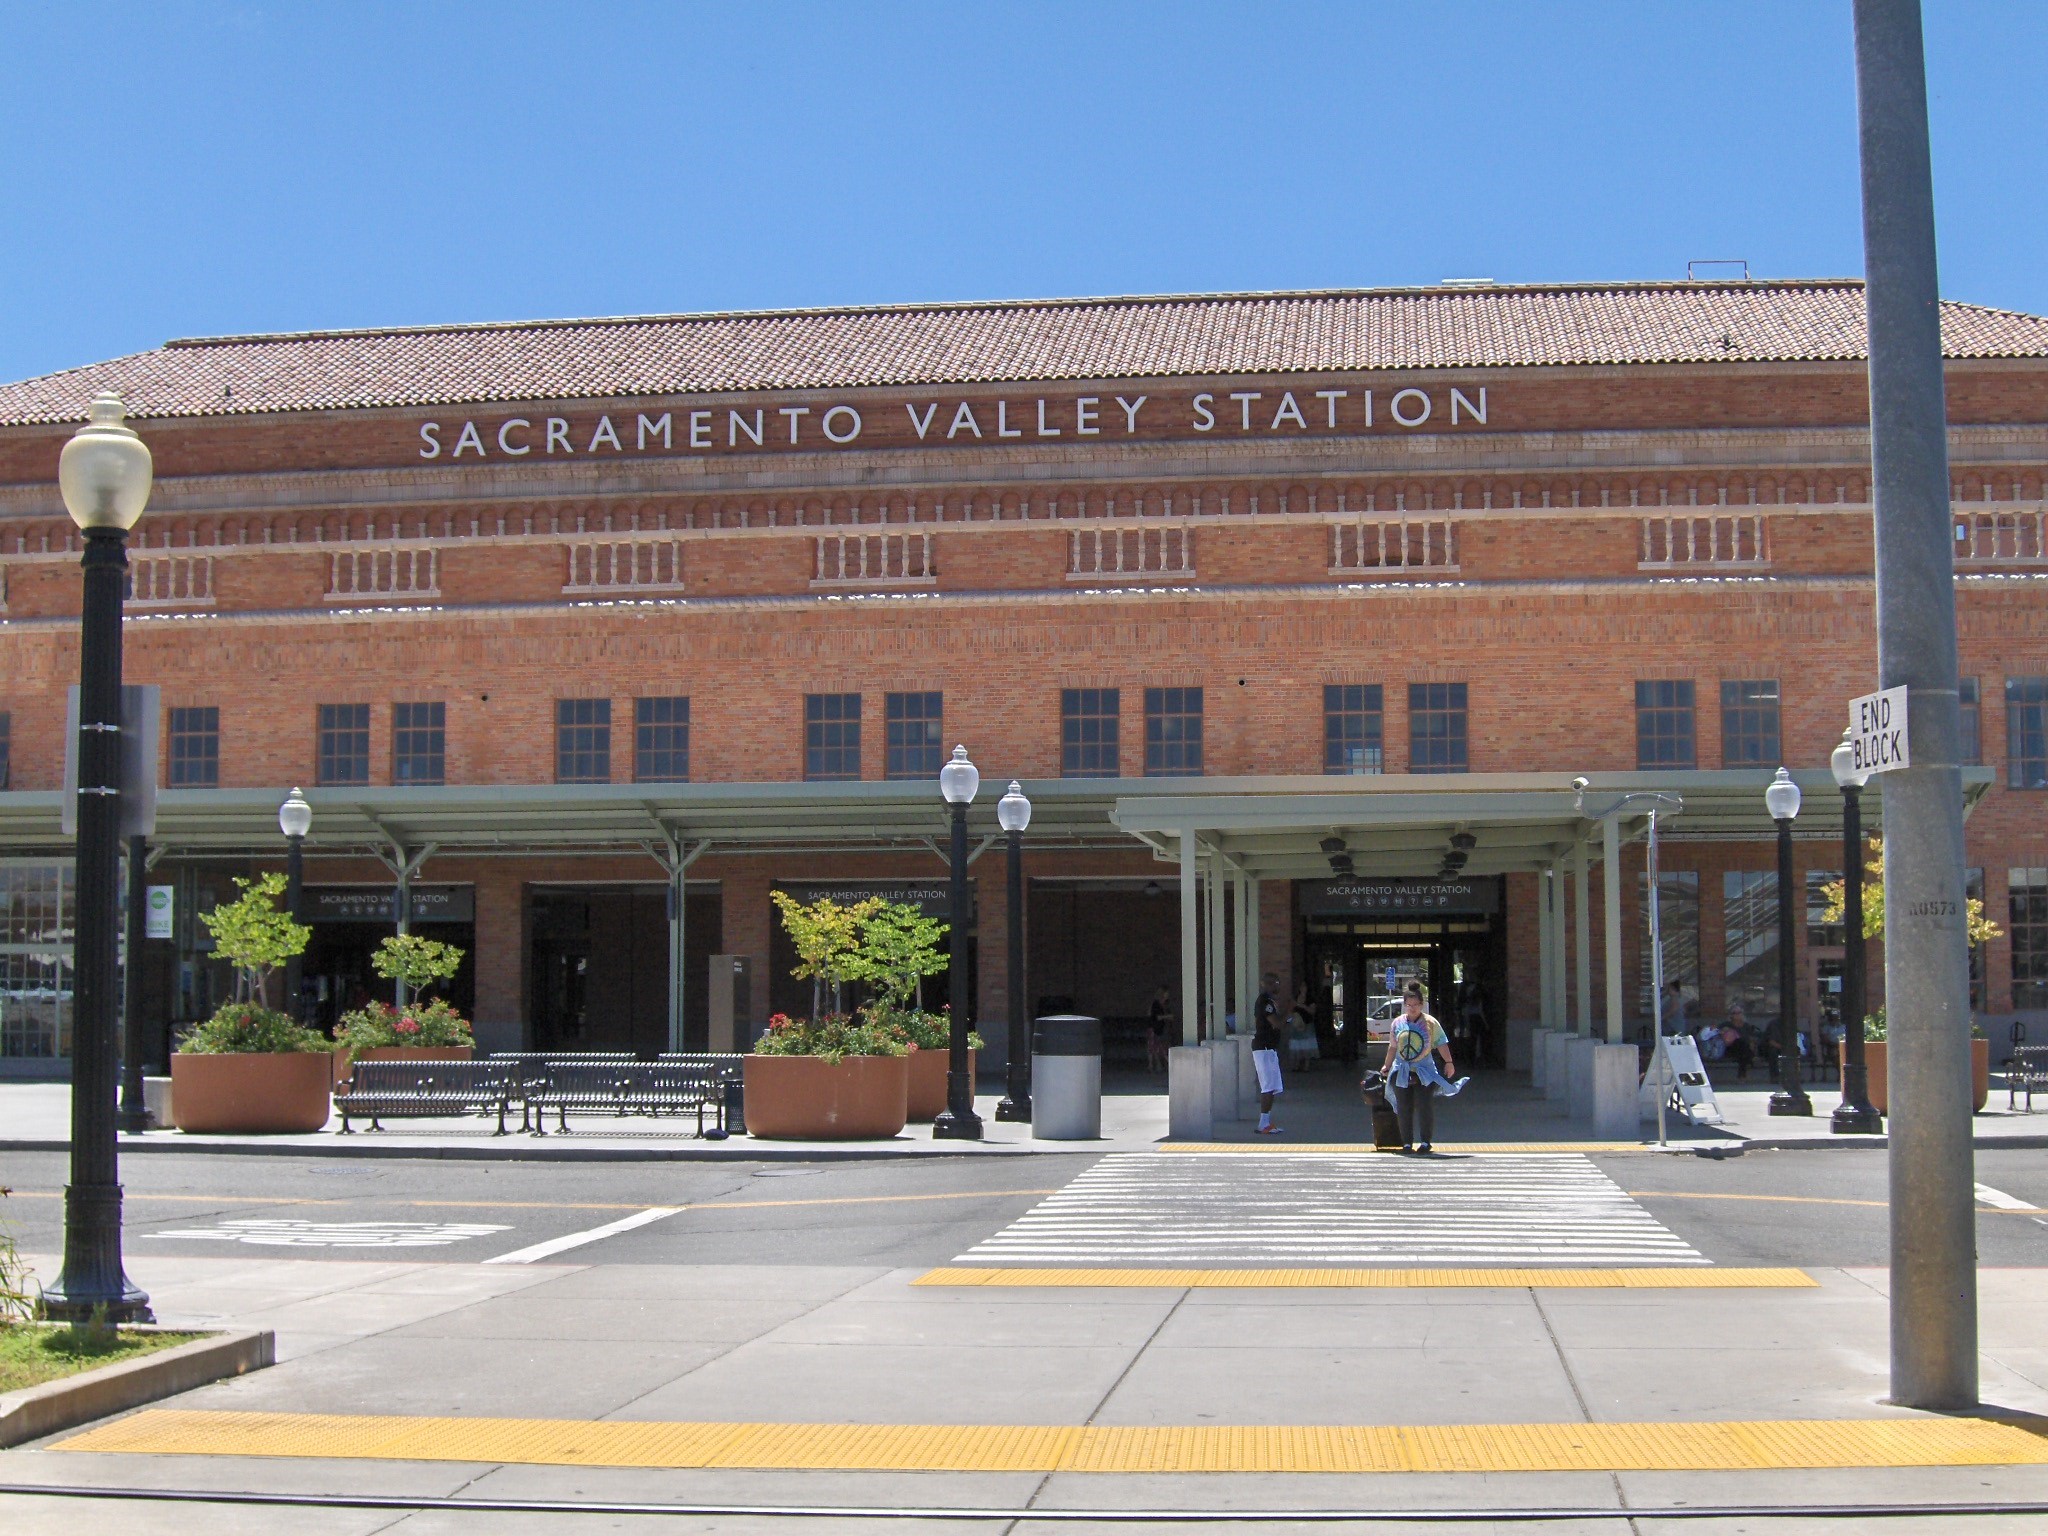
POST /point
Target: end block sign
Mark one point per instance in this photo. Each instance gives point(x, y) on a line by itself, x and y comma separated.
point(1877, 723)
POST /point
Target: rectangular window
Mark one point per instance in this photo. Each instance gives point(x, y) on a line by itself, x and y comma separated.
point(1970, 704)
point(1749, 724)
point(1820, 933)
point(6, 748)
point(1664, 726)
point(2026, 733)
point(583, 741)
point(194, 753)
point(915, 729)
point(1352, 718)
point(344, 756)
point(1436, 728)
point(1678, 919)
point(2029, 928)
point(1173, 732)
point(1749, 917)
point(419, 743)
point(1088, 733)
point(831, 735)
point(661, 741)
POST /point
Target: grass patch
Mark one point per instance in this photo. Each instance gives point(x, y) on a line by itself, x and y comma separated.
point(33, 1353)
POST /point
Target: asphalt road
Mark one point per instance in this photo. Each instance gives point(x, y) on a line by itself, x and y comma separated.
point(1801, 1207)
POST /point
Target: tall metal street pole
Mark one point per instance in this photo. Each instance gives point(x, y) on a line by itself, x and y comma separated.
point(958, 1121)
point(1926, 940)
point(1013, 814)
point(105, 474)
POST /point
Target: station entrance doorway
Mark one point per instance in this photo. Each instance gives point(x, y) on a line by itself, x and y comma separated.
point(1358, 962)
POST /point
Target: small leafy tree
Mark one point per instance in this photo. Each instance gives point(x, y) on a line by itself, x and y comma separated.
point(1982, 929)
point(826, 936)
point(897, 947)
point(416, 964)
point(254, 935)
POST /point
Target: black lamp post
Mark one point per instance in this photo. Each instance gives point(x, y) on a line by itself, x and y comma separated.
point(1855, 1114)
point(958, 781)
point(104, 474)
point(1013, 814)
point(294, 820)
point(1782, 801)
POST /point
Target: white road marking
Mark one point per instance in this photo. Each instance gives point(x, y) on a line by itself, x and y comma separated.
point(284, 1233)
point(1337, 1208)
point(555, 1245)
point(1986, 1195)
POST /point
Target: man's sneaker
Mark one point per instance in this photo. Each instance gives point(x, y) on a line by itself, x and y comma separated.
point(1423, 1149)
point(1266, 1130)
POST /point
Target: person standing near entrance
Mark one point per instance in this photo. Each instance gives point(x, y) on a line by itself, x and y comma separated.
point(1266, 1042)
point(1415, 1035)
point(1155, 1031)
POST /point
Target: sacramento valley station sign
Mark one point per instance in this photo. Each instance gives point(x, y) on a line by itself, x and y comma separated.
point(1269, 411)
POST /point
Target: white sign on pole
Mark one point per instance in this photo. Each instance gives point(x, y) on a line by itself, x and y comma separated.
point(1877, 731)
point(159, 907)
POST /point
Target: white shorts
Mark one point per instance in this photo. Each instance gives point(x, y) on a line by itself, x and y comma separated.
point(1267, 1065)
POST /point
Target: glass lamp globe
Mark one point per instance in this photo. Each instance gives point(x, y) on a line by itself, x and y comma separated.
point(959, 779)
point(1013, 811)
point(1843, 762)
point(1782, 798)
point(104, 471)
point(295, 816)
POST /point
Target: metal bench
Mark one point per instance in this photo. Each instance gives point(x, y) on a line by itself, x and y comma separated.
point(393, 1090)
point(2026, 1070)
point(625, 1088)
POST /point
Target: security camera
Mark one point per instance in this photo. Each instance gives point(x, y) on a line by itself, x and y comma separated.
point(1582, 784)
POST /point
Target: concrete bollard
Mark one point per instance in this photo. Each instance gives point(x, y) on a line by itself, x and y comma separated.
point(1519, 1031)
point(1223, 1066)
point(1190, 1096)
point(1555, 1049)
point(1539, 1039)
point(1614, 1093)
point(1578, 1086)
point(1247, 1082)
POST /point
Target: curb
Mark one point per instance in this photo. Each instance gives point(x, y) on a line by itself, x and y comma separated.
point(741, 1151)
point(57, 1405)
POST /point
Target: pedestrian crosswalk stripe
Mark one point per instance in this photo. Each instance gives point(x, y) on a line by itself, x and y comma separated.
point(1689, 1277)
point(1339, 1209)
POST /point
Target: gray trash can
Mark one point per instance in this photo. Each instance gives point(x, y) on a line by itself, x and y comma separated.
point(1066, 1078)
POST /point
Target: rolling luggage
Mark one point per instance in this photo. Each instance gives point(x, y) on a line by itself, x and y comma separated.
point(1386, 1125)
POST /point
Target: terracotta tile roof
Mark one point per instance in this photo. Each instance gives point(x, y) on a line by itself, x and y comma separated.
point(1448, 327)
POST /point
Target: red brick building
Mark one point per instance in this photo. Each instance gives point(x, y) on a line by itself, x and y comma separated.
point(1335, 592)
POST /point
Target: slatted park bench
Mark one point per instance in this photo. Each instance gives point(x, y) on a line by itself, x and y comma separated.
point(392, 1090)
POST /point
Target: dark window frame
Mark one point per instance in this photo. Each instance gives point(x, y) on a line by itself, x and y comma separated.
point(583, 741)
point(1439, 723)
point(914, 734)
point(661, 739)
point(2026, 732)
point(831, 738)
point(1173, 733)
point(1354, 722)
point(1970, 710)
point(1667, 723)
point(343, 752)
point(192, 746)
point(1091, 733)
point(419, 741)
point(6, 748)
point(2027, 929)
point(1752, 722)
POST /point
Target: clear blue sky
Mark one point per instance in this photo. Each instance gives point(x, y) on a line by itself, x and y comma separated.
point(185, 169)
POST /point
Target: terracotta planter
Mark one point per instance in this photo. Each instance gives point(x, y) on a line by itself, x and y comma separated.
point(805, 1098)
point(343, 1056)
point(928, 1080)
point(1880, 1081)
point(255, 1095)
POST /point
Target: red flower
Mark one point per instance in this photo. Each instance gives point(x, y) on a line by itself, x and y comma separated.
point(407, 1026)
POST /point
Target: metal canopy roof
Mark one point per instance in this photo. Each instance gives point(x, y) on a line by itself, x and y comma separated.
point(1394, 824)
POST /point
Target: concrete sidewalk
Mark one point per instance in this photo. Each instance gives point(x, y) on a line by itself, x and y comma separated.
point(698, 1349)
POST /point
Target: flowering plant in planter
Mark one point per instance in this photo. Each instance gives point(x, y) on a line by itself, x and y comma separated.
point(925, 1031)
point(254, 935)
point(831, 1036)
point(250, 1029)
point(433, 1022)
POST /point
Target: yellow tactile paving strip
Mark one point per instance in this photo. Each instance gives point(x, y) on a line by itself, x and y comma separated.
point(1674, 1279)
point(1644, 1447)
point(1461, 1148)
